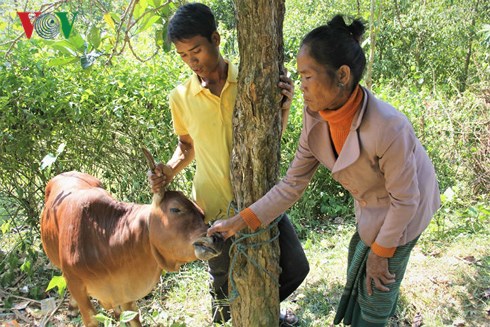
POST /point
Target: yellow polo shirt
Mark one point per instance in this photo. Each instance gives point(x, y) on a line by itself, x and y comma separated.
point(207, 118)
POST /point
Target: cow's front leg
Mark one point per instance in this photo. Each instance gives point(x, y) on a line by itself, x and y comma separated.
point(79, 294)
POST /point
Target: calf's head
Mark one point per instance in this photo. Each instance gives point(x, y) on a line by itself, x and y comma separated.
point(178, 232)
point(177, 229)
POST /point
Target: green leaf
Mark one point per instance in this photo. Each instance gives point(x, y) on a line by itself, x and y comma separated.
point(64, 50)
point(59, 282)
point(5, 227)
point(155, 3)
point(26, 266)
point(63, 46)
point(100, 317)
point(308, 244)
point(484, 211)
point(472, 211)
point(68, 46)
point(127, 316)
point(115, 17)
point(143, 4)
point(159, 39)
point(167, 45)
point(77, 41)
point(147, 22)
point(137, 11)
point(168, 8)
point(485, 31)
point(108, 19)
point(61, 61)
point(93, 36)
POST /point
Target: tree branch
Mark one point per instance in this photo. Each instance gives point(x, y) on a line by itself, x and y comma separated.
point(128, 41)
point(131, 6)
point(127, 36)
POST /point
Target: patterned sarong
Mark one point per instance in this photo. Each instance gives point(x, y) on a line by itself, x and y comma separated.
point(356, 307)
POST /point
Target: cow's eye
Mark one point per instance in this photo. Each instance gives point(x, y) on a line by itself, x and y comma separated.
point(174, 210)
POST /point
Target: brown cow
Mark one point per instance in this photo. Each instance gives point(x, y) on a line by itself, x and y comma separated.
point(116, 251)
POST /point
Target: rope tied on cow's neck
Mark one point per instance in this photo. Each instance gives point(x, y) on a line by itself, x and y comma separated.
point(242, 247)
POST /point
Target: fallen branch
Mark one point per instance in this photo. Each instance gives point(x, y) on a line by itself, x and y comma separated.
point(3, 293)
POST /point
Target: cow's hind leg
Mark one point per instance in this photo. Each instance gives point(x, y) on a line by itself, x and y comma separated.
point(79, 293)
point(131, 306)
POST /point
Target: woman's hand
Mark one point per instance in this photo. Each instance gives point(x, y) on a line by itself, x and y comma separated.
point(377, 271)
point(227, 227)
point(160, 177)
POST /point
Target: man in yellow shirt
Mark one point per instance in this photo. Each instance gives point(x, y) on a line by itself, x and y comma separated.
point(203, 122)
point(202, 109)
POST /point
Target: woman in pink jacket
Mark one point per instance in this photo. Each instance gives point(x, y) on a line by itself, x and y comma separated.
point(372, 150)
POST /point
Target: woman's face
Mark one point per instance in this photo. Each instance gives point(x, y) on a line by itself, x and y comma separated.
point(320, 89)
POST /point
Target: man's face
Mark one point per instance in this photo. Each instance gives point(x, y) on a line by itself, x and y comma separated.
point(200, 54)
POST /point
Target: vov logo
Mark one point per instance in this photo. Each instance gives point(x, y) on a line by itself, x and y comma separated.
point(46, 25)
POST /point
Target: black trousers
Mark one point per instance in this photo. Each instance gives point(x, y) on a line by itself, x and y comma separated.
point(292, 260)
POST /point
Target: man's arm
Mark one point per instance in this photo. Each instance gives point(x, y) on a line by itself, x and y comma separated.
point(182, 157)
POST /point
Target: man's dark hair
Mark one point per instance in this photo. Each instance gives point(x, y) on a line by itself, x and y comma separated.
point(190, 20)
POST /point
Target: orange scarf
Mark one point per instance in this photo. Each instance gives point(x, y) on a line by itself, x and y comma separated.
point(340, 119)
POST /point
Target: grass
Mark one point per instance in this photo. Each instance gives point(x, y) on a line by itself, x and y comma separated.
point(447, 284)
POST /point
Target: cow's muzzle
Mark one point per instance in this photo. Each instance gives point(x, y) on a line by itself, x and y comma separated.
point(208, 247)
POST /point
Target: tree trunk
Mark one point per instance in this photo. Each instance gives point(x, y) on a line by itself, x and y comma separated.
point(373, 27)
point(471, 37)
point(255, 157)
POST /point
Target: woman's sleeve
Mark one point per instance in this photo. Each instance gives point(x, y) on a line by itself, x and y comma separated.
point(285, 193)
point(398, 164)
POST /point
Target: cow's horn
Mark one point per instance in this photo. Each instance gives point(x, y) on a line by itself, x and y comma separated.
point(149, 159)
point(157, 198)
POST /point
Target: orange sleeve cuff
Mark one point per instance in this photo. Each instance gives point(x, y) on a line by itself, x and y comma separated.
point(250, 218)
point(382, 251)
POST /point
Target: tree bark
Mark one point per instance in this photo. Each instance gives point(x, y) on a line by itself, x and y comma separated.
point(256, 155)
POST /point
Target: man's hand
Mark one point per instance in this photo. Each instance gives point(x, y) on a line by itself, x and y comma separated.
point(377, 271)
point(227, 227)
point(161, 177)
point(287, 90)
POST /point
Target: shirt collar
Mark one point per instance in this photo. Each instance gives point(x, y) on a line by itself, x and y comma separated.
point(232, 77)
